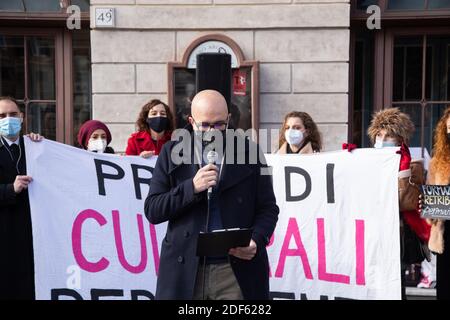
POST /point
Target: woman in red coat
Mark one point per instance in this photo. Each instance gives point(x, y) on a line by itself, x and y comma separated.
point(155, 125)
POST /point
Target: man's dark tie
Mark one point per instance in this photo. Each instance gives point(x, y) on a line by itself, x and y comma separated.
point(15, 151)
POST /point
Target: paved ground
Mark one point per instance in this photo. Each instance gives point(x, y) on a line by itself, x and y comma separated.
point(413, 293)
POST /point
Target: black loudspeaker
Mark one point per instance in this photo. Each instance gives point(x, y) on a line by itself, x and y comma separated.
point(214, 72)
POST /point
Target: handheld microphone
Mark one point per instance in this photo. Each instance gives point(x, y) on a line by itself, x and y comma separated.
point(212, 158)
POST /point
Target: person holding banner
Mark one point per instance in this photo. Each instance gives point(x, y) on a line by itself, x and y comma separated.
point(16, 243)
point(95, 136)
point(155, 125)
point(242, 196)
point(439, 174)
point(393, 128)
point(299, 134)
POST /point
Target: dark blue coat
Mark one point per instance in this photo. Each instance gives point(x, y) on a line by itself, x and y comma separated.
point(246, 200)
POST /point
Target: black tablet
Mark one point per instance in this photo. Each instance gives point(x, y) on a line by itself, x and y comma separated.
point(219, 242)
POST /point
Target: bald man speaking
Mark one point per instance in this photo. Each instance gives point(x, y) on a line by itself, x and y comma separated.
point(240, 196)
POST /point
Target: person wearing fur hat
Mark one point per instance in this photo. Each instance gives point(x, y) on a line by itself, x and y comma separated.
point(393, 128)
point(95, 136)
point(439, 174)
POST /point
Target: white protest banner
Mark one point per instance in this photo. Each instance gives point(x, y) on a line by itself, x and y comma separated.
point(337, 235)
point(338, 231)
point(91, 238)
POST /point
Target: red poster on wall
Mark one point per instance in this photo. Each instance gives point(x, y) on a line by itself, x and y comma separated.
point(239, 83)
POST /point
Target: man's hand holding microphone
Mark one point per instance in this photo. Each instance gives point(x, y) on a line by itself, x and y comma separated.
point(205, 178)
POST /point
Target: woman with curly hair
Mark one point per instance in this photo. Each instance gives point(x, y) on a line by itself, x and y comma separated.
point(299, 134)
point(155, 125)
point(439, 174)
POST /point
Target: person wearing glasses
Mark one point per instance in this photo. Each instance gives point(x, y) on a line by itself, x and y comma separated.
point(240, 197)
point(155, 125)
point(16, 242)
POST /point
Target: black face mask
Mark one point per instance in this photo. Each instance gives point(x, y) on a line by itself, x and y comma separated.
point(158, 124)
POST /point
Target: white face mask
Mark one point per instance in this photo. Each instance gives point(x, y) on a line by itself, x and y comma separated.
point(379, 143)
point(293, 136)
point(97, 145)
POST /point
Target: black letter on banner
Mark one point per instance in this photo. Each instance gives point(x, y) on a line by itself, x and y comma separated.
point(287, 173)
point(56, 293)
point(138, 181)
point(135, 294)
point(97, 293)
point(330, 182)
point(281, 295)
point(304, 297)
point(101, 176)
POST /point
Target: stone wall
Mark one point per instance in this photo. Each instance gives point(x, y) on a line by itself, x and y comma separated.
point(302, 46)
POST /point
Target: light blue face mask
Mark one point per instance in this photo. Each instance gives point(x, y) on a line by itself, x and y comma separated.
point(10, 127)
point(384, 144)
point(387, 144)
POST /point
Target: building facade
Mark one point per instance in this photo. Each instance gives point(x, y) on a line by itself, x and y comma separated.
point(316, 56)
point(302, 49)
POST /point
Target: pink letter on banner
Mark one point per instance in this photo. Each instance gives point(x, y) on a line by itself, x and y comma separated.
point(323, 274)
point(272, 238)
point(119, 245)
point(293, 231)
point(154, 247)
point(103, 263)
point(360, 260)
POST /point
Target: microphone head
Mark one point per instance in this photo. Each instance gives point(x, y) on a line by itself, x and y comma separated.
point(212, 156)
